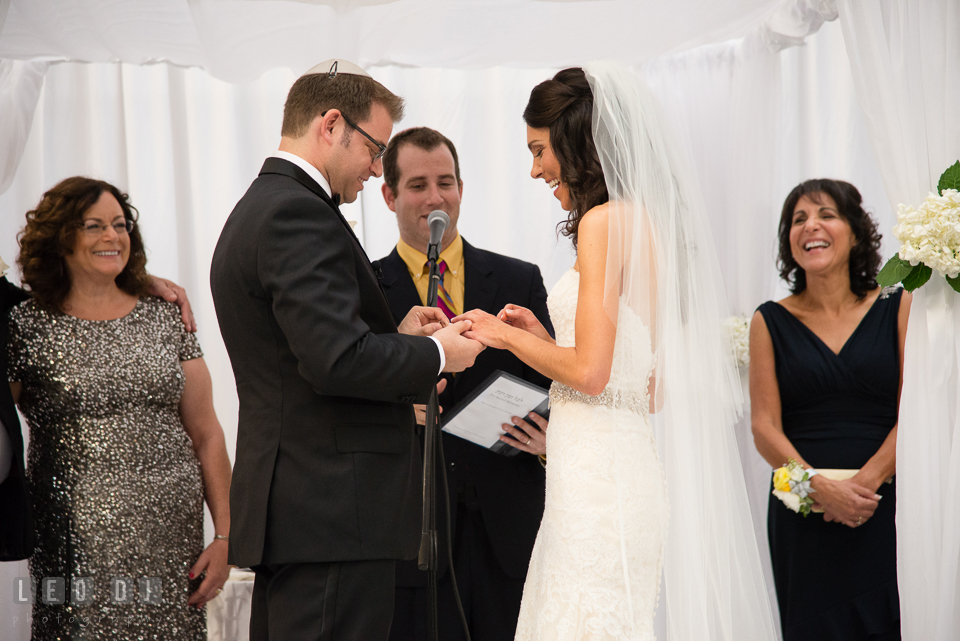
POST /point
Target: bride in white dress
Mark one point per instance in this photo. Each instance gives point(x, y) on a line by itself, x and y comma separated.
point(637, 331)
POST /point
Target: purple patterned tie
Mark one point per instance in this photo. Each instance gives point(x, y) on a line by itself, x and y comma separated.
point(444, 302)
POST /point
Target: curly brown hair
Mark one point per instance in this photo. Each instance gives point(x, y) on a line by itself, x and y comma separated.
point(564, 104)
point(51, 234)
point(864, 257)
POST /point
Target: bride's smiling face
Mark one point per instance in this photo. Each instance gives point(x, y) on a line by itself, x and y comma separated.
point(546, 165)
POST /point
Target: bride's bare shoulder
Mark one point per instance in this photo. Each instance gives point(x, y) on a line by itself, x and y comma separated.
point(595, 221)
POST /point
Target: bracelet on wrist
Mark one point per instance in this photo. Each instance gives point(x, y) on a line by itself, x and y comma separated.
point(222, 537)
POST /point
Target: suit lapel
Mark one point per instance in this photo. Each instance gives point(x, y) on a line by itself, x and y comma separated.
point(286, 168)
point(398, 286)
point(479, 289)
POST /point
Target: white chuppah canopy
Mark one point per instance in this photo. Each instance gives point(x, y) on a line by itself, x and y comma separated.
point(237, 40)
point(183, 144)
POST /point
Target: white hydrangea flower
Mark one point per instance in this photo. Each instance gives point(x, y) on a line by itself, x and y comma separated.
point(930, 234)
point(737, 329)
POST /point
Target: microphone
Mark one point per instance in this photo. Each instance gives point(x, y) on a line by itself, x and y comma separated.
point(437, 221)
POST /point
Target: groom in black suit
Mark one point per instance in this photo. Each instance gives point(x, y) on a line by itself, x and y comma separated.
point(326, 486)
point(496, 501)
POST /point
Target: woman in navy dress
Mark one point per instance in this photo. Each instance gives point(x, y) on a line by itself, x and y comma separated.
point(825, 373)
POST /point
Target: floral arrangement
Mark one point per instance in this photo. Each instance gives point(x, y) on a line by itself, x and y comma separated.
point(791, 484)
point(737, 329)
point(929, 238)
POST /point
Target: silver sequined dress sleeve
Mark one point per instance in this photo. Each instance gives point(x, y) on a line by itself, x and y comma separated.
point(115, 483)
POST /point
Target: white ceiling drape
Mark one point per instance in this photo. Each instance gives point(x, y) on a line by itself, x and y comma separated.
point(237, 40)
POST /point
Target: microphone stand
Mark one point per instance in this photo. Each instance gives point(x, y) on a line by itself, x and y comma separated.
point(427, 559)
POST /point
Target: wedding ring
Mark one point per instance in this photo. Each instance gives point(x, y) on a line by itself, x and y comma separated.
point(529, 440)
point(859, 520)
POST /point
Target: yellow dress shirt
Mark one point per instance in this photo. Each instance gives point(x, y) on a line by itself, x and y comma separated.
point(453, 278)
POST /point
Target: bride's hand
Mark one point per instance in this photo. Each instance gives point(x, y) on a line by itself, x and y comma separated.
point(523, 318)
point(486, 328)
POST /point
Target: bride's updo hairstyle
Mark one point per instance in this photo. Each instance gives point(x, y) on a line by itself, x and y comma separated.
point(564, 105)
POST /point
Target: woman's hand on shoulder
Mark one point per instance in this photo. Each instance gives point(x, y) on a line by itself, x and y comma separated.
point(173, 293)
point(523, 318)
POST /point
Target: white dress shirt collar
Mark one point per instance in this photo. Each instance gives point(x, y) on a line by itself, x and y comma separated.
point(312, 171)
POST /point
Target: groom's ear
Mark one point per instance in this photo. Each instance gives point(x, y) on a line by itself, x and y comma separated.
point(322, 128)
point(388, 197)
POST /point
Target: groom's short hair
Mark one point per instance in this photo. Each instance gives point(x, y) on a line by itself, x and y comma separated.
point(354, 95)
point(422, 137)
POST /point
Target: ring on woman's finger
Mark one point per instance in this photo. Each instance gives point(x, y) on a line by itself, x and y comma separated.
point(529, 440)
point(859, 520)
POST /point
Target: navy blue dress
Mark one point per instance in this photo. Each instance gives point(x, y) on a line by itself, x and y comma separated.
point(835, 582)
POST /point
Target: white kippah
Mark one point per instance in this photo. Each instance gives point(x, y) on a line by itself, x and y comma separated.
point(333, 66)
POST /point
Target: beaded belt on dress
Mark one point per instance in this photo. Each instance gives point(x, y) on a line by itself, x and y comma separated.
point(639, 403)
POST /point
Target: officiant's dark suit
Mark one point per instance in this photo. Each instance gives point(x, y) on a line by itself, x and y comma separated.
point(326, 489)
point(16, 520)
point(496, 501)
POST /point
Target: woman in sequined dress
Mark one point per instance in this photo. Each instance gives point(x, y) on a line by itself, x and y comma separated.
point(124, 441)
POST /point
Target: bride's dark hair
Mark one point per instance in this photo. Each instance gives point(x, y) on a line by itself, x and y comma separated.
point(564, 104)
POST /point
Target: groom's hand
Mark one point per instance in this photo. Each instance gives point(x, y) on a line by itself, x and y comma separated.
point(460, 352)
point(423, 321)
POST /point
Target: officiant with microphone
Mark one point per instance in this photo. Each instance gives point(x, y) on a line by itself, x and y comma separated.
point(496, 501)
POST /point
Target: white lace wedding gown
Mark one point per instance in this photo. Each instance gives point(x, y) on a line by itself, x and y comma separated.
point(595, 570)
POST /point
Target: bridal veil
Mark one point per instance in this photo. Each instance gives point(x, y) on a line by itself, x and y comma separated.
point(662, 265)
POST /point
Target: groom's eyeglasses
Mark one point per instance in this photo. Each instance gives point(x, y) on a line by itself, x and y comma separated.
point(381, 148)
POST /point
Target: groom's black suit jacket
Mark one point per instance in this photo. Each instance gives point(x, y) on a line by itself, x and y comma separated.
point(509, 490)
point(327, 464)
point(16, 520)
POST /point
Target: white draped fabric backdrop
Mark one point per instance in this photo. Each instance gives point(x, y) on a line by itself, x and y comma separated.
point(185, 137)
point(907, 61)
